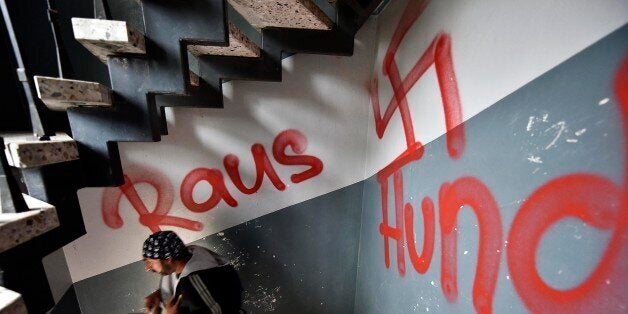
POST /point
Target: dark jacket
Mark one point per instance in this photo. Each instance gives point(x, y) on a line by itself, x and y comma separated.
point(208, 284)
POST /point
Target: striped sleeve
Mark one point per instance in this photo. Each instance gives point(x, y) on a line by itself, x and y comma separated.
point(202, 290)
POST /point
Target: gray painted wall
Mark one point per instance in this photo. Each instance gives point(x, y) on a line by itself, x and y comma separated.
point(59, 277)
point(566, 121)
point(301, 258)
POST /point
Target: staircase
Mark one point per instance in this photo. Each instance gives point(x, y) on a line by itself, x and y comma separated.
point(186, 50)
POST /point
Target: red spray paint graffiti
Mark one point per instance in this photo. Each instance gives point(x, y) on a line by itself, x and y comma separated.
point(470, 191)
point(153, 220)
point(262, 165)
point(599, 203)
point(219, 190)
point(421, 263)
point(298, 142)
point(165, 193)
point(452, 196)
point(595, 200)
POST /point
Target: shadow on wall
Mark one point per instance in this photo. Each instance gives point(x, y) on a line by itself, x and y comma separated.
point(302, 257)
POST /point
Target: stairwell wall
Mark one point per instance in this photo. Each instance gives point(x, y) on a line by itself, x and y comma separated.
point(293, 238)
point(496, 48)
point(504, 133)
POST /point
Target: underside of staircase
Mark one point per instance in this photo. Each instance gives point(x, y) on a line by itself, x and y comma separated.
point(180, 55)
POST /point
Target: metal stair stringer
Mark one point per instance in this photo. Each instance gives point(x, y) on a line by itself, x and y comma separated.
point(277, 41)
point(142, 85)
point(31, 237)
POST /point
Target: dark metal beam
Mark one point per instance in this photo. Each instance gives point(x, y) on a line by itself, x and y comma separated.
point(11, 200)
point(101, 10)
point(38, 127)
point(144, 84)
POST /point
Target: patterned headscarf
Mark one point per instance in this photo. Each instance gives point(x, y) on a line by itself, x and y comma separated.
point(163, 245)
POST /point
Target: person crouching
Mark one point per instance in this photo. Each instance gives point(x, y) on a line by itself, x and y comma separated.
point(194, 279)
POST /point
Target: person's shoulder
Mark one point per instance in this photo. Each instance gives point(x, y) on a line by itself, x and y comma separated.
point(191, 281)
point(201, 250)
point(205, 253)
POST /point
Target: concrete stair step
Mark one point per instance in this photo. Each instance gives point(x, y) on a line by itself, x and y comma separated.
point(60, 94)
point(24, 151)
point(304, 14)
point(105, 38)
point(17, 228)
point(11, 302)
point(239, 45)
point(195, 80)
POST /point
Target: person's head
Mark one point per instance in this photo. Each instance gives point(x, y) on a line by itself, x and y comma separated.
point(164, 253)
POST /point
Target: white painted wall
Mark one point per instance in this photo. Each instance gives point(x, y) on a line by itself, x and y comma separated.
point(58, 274)
point(497, 47)
point(321, 96)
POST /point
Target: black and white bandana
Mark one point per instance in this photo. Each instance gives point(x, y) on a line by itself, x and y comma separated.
point(163, 245)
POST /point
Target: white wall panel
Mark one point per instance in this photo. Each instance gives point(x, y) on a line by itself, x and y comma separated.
point(321, 96)
point(497, 47)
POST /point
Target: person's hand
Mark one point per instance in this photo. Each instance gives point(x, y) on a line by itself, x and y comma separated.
point(172, 307)
point(151, 303)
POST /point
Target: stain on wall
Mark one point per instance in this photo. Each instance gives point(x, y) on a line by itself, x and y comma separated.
point(530, 216)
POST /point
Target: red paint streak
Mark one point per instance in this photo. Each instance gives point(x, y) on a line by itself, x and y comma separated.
point(621, 90)
point(414, 149)
point(411, 154)
point(110, 204)
point(411, 13)
point(402, 101)
point(472, 192)
point(597, 202)
point(165, 192)
point(384, 227)
point(262, 165)
point(439, 54)
point(298, 142)
point(396, 233)
point(219, 190)
point(398, 183)
point(421, 263)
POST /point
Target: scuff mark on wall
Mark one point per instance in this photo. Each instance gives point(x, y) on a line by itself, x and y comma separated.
point(535, 159)
point(263, 298)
